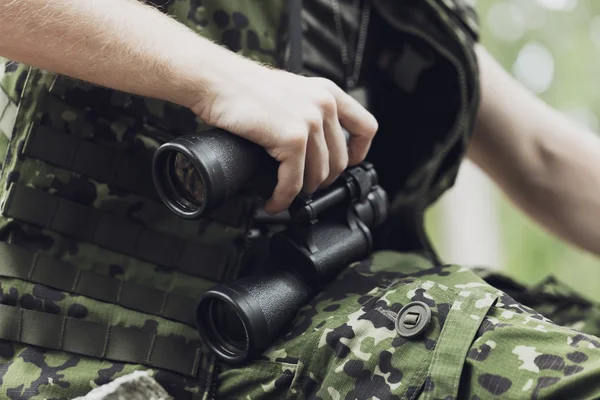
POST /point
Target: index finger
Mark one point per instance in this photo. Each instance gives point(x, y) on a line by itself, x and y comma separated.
point(359, 122)
point(290, 178)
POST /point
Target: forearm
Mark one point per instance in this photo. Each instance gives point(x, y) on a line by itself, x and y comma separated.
point(121, 44)
point(544, 163)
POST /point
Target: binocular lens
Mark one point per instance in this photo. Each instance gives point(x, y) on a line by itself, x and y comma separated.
point(186, 180)
point(195, 174)
point(182, 183)
point(228, 325)
point(224, 329)
point(238, 320)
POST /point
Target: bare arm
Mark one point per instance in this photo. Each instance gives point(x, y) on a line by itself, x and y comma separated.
point(121, 44)
point(125, 45)
point(546, 165)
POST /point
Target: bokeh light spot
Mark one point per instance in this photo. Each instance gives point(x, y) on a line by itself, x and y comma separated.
point(506, 22)
point(534, 67)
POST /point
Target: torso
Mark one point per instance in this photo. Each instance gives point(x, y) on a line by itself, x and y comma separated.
point(74, 157)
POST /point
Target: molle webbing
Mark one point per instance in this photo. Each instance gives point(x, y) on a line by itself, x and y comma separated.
point(88, 224)
point(115, 168)
point(95, 161)
point(20, 263)
point(87, 338)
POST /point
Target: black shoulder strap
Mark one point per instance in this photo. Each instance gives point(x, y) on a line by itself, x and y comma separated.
point(295, 35)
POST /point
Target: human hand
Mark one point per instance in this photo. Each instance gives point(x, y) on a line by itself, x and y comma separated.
point(297, 119)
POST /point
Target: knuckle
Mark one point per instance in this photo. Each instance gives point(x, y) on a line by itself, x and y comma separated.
point(298, 143)
point(314, 121)
point(326, 83)
point(372, 127)
point(326, 102)
point(298, 138)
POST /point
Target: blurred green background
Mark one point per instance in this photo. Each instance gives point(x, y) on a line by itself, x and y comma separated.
point(553, 48)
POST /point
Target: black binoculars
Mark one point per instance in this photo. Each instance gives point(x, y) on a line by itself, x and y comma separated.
point(325, 232)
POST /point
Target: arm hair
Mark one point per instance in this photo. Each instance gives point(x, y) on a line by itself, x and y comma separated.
point(121, 44)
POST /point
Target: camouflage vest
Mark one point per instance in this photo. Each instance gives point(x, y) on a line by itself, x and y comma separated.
point(93, 264)
point(420, 79)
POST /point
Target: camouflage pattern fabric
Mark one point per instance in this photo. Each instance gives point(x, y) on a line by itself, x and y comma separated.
point(480, 343)
point(343, 344)
point(552, 298)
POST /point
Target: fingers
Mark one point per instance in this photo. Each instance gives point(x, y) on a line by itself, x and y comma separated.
point(290, 176)
point(314, 154)
point(361, 124)
point(338, 150)
point(317, 162)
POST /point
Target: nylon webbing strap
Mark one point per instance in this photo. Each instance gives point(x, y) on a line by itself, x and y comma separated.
point(88, 224)
point(112, 167)
point(20, 263)
point(92, 160)
point(87, 338)
point(295, 33)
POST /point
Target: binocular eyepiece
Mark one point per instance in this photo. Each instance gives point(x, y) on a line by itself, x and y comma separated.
point(237, 320)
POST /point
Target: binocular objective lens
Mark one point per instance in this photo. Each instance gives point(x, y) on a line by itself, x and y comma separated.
point(187, 181)
point(227, 328)
point(232, 327)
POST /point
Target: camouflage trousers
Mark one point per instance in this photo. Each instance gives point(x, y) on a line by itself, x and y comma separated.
point(355, 341)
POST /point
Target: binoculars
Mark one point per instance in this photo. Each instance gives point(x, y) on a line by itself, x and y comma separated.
point(323, 233)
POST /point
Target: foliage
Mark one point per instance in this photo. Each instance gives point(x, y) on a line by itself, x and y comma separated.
point(552, 47)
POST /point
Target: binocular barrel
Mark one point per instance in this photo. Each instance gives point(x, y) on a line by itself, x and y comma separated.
point(196, 173)
point(307, 258)
point(240, 319)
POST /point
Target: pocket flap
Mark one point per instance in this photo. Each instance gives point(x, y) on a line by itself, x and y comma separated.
point(464, 319)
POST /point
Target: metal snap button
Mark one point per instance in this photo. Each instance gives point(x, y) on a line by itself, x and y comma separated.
point(412, 319)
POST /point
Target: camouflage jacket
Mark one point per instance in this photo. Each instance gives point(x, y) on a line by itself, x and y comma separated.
point(98, 279)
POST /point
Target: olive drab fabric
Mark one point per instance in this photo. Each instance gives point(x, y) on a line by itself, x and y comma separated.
point(98, 279)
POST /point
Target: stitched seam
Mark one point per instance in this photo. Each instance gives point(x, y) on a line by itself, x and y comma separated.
point(196, 361)
point(62, 332)
point(105, 347)
point(150, 349)
point(33, 264)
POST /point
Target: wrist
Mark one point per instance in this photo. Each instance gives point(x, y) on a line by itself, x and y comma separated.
point(206, 72)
